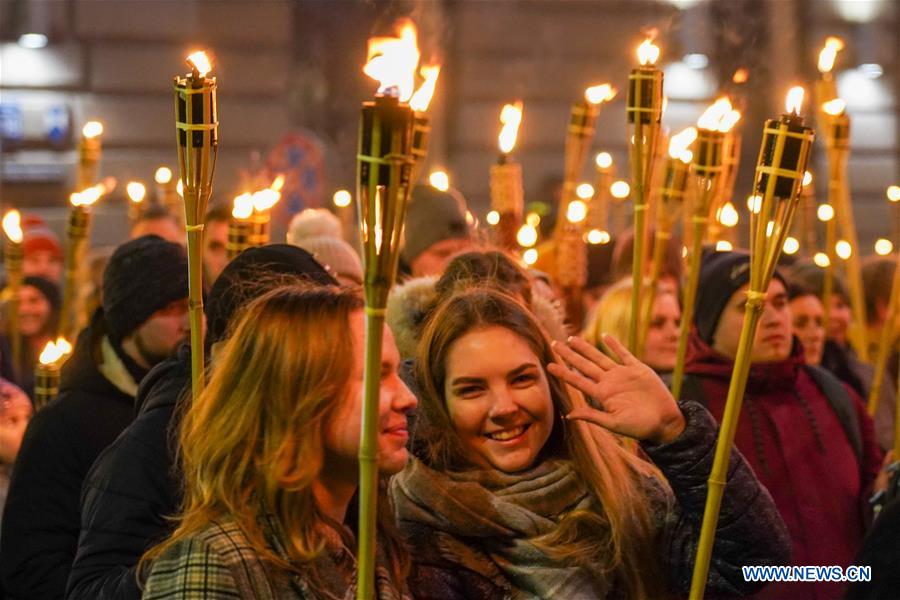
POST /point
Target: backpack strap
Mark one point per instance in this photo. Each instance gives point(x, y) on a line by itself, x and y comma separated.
point(841, 403)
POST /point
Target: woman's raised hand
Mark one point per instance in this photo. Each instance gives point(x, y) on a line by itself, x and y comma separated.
point(630, 397)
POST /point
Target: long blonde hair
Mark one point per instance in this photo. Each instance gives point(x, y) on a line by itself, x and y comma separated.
point(253, 442)
point(620, 535)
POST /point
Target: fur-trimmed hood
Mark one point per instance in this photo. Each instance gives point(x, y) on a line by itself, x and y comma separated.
point(410, 303)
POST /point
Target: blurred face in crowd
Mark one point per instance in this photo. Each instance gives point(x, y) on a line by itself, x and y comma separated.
point(34, 311)
point(839, 318)
point(42, 263)
point(158, 337)
point(15, 412)
point(435, 259)
point(808, 320)
point(498, 399)
point(165, 227)
point(215, 257)
point(661, 346)
point(773, 334)
point(395, 404)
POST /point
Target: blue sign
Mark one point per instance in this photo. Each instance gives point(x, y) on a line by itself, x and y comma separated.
point(12, 125)
point(56, 123)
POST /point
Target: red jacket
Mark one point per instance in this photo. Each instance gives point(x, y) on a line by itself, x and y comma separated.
point(799, 450)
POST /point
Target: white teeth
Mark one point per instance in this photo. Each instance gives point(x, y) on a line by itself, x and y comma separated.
point(506, 435)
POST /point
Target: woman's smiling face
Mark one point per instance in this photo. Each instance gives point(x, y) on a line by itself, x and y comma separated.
point(498, 399)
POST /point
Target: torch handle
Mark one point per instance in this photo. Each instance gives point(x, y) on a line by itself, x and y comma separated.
point(195, 306)
point(690, 295)
point(719, 474)
point(828, 279)
point(368, 454)
point(660, 241)
point(888, 332)
point(68, 314)
point(12, 314)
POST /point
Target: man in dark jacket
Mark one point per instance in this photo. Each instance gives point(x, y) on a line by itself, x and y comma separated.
point(807, 436)
point(133, 487)
point(142, 320)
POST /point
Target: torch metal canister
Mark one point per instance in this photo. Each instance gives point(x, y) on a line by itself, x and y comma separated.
point(508, 199)
point(12, 262)
point(77, 232)
point(238, 237)
point(46, 384)
point(90, 149)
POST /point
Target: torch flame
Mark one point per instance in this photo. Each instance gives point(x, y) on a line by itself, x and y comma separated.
point(648, 52)
point(510, 118)
point(718, 112)
point(163, 175)
point(243, 206)
point(680, 142)
point(92, 129)
point(265, 199)
point(277, 183)
point(392, 62)
point(794, 99)
point(89, 196)
point(834, 107)
point(833, 45)
point(741, 75)
point(600, 93)
point(422, 98)
point(54, 351)
point(136, 191)
point(12, 226)
point(729, 120)
point(199, 61)
point(604, 160)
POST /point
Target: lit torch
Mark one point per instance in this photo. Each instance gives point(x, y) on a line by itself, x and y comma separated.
point(826, 88)
point(90, 150)
point(263, 201)
point(806, 214)
point(239, 226)
point(196, 125)
point(782, 161)
point(136, 192)
point(385, 166)
point(507, 192)
point(12, 262)
point(708, 166)
point(46, 373)
point(644, 111)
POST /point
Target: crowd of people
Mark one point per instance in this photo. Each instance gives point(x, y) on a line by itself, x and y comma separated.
point(520, 455)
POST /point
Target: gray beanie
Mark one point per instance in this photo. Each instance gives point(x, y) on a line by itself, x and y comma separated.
point(336, 255)
point(433, 216)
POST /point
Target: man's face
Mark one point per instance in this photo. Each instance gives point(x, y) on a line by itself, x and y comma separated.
point(159, 336)
point(435, 259)
point(42, 263)
point(165, 227)
point(773, 334)
point(215, 257)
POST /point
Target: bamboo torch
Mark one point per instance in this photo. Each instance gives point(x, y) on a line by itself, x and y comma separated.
point(507, 190)
point(78, 230)
point(90, 149)
point(196, 125)
point(806, 212)
point(239, 226)
point(783, 156)
point(46, 373)
point(12, 262)
point(836, 129)
point(571, 255)
point(261, 218)
point(422, 122)
point(671, 201)
point(707, 165)
point(644, 111)
point(384, 171)
point(136, 192)
point(342, 199)
point(826, 87)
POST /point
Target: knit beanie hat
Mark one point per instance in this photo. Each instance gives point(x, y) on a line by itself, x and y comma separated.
point(252, 273)
point(335, 254)
point(433, 216)
point(721, 275)
point(143, 276)
point(48, 290)
point(313, 222)
point(37, 237)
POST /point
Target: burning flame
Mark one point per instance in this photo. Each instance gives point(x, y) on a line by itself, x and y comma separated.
point(12, 226)
point(791, 245)
point(843, 249)
point(493, 217)
point(89, 196)
point(163, 175)
point(422, 98)
point(821, 259)
point(883, 247)
point(728, 215)
point(600, 93)
point(720, 116)
point(136, 191)
point(530, 256)
point(92, 129)
point(893, 193)
point(741, 75)
point(833, 45)
point(392, 62)
point(342, 198)
point(576, 212)
point(265, 199)
point(794, 100)
point(648, 52)
point(680, 142)
point(834, 107)
point(510, 118)
point(807, 178)
point(54, 351)
point(439, 180)
point(825, 212)
point(243, 206)
point(277, 183)
point(620, 189)
point(598, 236)
point(585, 191)
point(604, 160)
point(199, 61)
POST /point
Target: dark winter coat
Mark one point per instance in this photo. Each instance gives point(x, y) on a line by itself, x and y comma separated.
point(881, 551)
point(801, 452)
point(131, 489)
point(41, 519)
point(451, 567)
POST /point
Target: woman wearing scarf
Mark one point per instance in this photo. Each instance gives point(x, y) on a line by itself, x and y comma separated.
point(524, 489)
point(269, 456)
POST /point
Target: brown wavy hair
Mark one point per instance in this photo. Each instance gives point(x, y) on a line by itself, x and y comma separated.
point(619, 534)
point(252, 443)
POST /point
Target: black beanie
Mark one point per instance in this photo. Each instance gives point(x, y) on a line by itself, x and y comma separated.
point(142, 277)
point(721, 275)
point(48, 290)
point(244, 279)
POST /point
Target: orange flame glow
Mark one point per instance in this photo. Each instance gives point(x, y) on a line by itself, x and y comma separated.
point(794, 100)
point(741, 75)
point(600, 93)
point(89, 196)
point(422, 98)
point(277, 183)
point(713, 117)
point(392, 62)
point(827, 56)
point(92, 129)
point(834, 107)
point(265, 199)
point(680, 143)
point(199, 61)
point(12, 226)
point(510, 118)
point(54, 351)
point(243, 206)
point(648, 52)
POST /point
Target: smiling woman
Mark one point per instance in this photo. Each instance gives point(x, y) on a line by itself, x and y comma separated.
point(522, 485)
